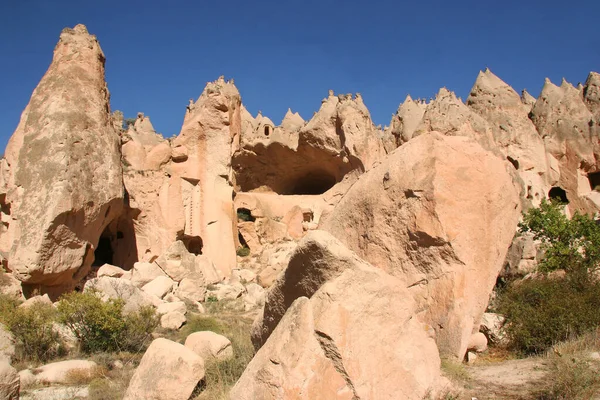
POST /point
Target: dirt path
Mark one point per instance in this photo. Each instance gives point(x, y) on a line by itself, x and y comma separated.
point(512, 379)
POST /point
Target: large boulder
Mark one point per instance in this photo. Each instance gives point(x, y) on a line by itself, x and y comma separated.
point(167, 371)
point(342, 326)
point(65, 183)
point(440, 213)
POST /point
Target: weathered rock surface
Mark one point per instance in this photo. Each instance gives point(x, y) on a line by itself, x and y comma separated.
point(209, 345)
point(61, 372)
point(173, 320)
point(167, 371)
point(116, 288)
point(65, 184)
point(110, 270)
point(159, 286)
point(7, 344)
point(9, 381)
point(311, 158)
point(513, 132)
point(323, 347)
point(444, 228)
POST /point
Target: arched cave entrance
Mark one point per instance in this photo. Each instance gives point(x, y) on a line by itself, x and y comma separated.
point(117, 242)
point(559, 194)
point(594, 179)
point(312, 183)
point(267, 130)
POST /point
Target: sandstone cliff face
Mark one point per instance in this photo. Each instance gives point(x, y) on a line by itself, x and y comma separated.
point(65, 182)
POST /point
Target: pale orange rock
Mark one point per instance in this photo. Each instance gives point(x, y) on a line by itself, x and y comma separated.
point(63, 189)
point(319, 319)
point(443, 228)
point(167, 371)
point(514, 133)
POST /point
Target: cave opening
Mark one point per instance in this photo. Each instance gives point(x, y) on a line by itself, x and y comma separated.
point(312, 183)
point(117, 243)
point(193, 244)
point(594, 178)
point(559, 194)
point(104, 253)
point(267, 130)
point(245, 215)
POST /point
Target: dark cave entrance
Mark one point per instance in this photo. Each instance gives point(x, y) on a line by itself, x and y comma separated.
point(557, 193)
point(245, 215)
point(312, 183)
point(594, 178)
point(193, 244)
point(104, 253)
point(117, 243)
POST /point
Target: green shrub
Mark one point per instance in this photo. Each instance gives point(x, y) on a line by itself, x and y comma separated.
point(243, 252)
point(542, 312)
point(102, 326)
point(138, 328)
point(35, 338)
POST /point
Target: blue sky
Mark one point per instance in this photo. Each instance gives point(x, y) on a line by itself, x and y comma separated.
point(290, 53)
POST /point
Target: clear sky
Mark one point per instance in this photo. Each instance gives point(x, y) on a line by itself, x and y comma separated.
point(290, 53)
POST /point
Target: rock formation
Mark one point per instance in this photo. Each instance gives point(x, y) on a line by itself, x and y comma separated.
point(65, 183)
point(350, 229)
point(343, 324)
point(444, 228)
point(310, 158)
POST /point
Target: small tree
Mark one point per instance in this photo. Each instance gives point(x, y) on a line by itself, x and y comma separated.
point(569, 244)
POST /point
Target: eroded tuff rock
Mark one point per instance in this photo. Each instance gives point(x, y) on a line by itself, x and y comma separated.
point(406, 120)
point(447, 114)
point(566, 125)
point(513, 132)
point(343, 325)
point(440, 213)
point(65, 183)
point(307, 158)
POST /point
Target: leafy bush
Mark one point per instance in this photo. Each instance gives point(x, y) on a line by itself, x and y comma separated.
point(102, 326)
point(35, 338)
point(542, 312)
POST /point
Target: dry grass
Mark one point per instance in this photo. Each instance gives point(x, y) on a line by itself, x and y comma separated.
point(573, 374)
point(455, 371)
point(83, 376)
